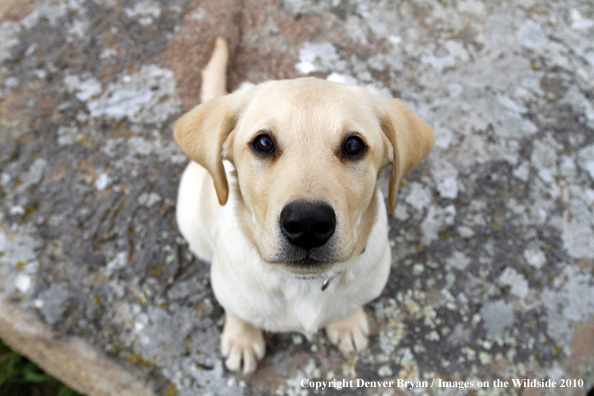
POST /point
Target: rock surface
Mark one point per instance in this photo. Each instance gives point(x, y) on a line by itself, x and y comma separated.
point(493, 235)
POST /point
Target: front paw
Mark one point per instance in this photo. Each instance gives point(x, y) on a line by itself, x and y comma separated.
point(241, 343)
point(351, 333)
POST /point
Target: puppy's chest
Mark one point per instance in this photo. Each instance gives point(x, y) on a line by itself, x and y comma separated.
point(301, 305)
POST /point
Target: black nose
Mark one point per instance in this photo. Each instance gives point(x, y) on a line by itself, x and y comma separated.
point(308, 224)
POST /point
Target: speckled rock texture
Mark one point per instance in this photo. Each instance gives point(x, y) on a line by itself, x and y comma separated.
point(493, 234)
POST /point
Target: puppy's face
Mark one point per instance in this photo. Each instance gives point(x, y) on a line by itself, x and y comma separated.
point(307, 154)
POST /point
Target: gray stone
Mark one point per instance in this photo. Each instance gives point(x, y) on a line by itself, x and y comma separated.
point(54, 302)
point(497, 316)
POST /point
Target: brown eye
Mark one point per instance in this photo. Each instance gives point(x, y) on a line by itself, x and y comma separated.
point(353, 147)
point(263, 144)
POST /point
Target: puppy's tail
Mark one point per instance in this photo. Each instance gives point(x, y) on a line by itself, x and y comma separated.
point(214, 75)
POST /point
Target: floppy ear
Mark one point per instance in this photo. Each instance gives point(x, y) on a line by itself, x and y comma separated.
point(201, 133)
point(411, 139)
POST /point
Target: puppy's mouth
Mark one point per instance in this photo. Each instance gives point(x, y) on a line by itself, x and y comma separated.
point(308, 264)
point(303, 261)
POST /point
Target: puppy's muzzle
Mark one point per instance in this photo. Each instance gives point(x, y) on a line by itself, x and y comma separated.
point(307, 225)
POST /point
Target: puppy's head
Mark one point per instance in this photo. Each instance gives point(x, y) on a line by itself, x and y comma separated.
point(307, 153)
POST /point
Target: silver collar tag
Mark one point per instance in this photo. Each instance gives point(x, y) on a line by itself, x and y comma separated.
point(327, 283)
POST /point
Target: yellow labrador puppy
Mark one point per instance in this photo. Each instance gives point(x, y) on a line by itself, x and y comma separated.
point(281, 196)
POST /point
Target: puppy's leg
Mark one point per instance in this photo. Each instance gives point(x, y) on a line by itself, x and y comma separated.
point(241, 342)
point(350, 333)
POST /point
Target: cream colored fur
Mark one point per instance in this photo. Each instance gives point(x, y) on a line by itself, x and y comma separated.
point(230, 200)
